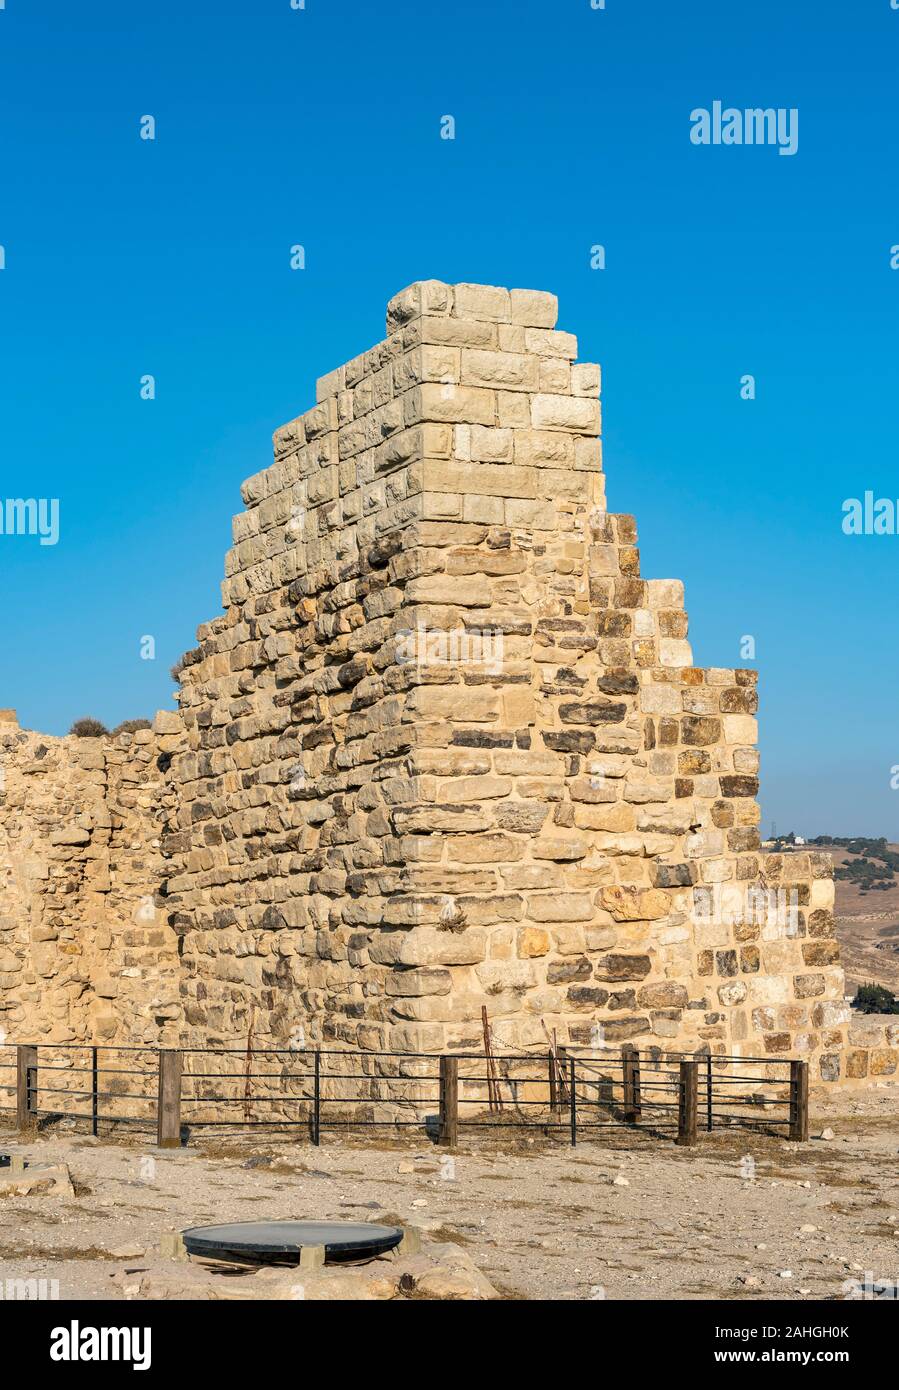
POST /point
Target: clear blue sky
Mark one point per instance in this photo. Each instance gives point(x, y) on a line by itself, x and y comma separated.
point(321, 126)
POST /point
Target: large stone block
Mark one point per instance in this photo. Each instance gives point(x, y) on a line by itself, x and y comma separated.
point(489, 302)
point(576, 414)
point(534, 308)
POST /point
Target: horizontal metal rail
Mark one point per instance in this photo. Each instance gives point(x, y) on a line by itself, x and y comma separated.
point(646, 1058)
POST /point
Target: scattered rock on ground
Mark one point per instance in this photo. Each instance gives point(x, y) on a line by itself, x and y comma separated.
point(37, 1181)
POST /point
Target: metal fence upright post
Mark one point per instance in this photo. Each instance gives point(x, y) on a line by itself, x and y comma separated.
point(572, 1089)
point(95, 1073)
point(316, 1098)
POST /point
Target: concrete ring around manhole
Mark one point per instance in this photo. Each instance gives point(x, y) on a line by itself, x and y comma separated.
point(282, 1242)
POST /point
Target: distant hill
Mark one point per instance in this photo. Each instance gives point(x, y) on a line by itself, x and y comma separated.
point(866, 873)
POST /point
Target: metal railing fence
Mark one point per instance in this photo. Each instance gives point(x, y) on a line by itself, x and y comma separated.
point(177, 1091)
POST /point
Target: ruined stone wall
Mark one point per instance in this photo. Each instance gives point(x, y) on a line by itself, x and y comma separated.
point(448, 748)
point(86, 951)
point(445, 749)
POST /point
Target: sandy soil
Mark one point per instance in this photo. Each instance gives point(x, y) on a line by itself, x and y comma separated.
point(626, 1216)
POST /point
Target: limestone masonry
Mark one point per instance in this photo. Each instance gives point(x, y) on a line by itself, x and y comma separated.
point(445, 748)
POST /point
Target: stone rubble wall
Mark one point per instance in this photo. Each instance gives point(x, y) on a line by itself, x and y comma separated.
point(86, 951)
point(445, 749)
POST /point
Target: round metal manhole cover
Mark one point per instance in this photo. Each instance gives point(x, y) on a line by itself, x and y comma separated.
point(280, 1242)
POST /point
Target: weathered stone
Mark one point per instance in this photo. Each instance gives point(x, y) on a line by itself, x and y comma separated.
point(587, 996)
point(700, 730)
point(533, 941)
point(37, 1180)
point(74, 835)
point(635, 905)
point(614, 966)
point(560, 972)
point(444, 750)
point(672, 875)
point(665, 994)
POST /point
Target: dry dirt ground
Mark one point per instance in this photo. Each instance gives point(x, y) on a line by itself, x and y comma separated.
point(628, 1216)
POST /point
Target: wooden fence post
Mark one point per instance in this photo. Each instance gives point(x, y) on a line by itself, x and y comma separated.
point(799, 1102)
point(630, 1067)
point(449, 1101)
point(168, 1108)
point(26, 1085)
point(316, 1098)
point(687, 1096)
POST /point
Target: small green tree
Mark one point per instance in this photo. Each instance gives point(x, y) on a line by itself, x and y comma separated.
point(875, 999)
